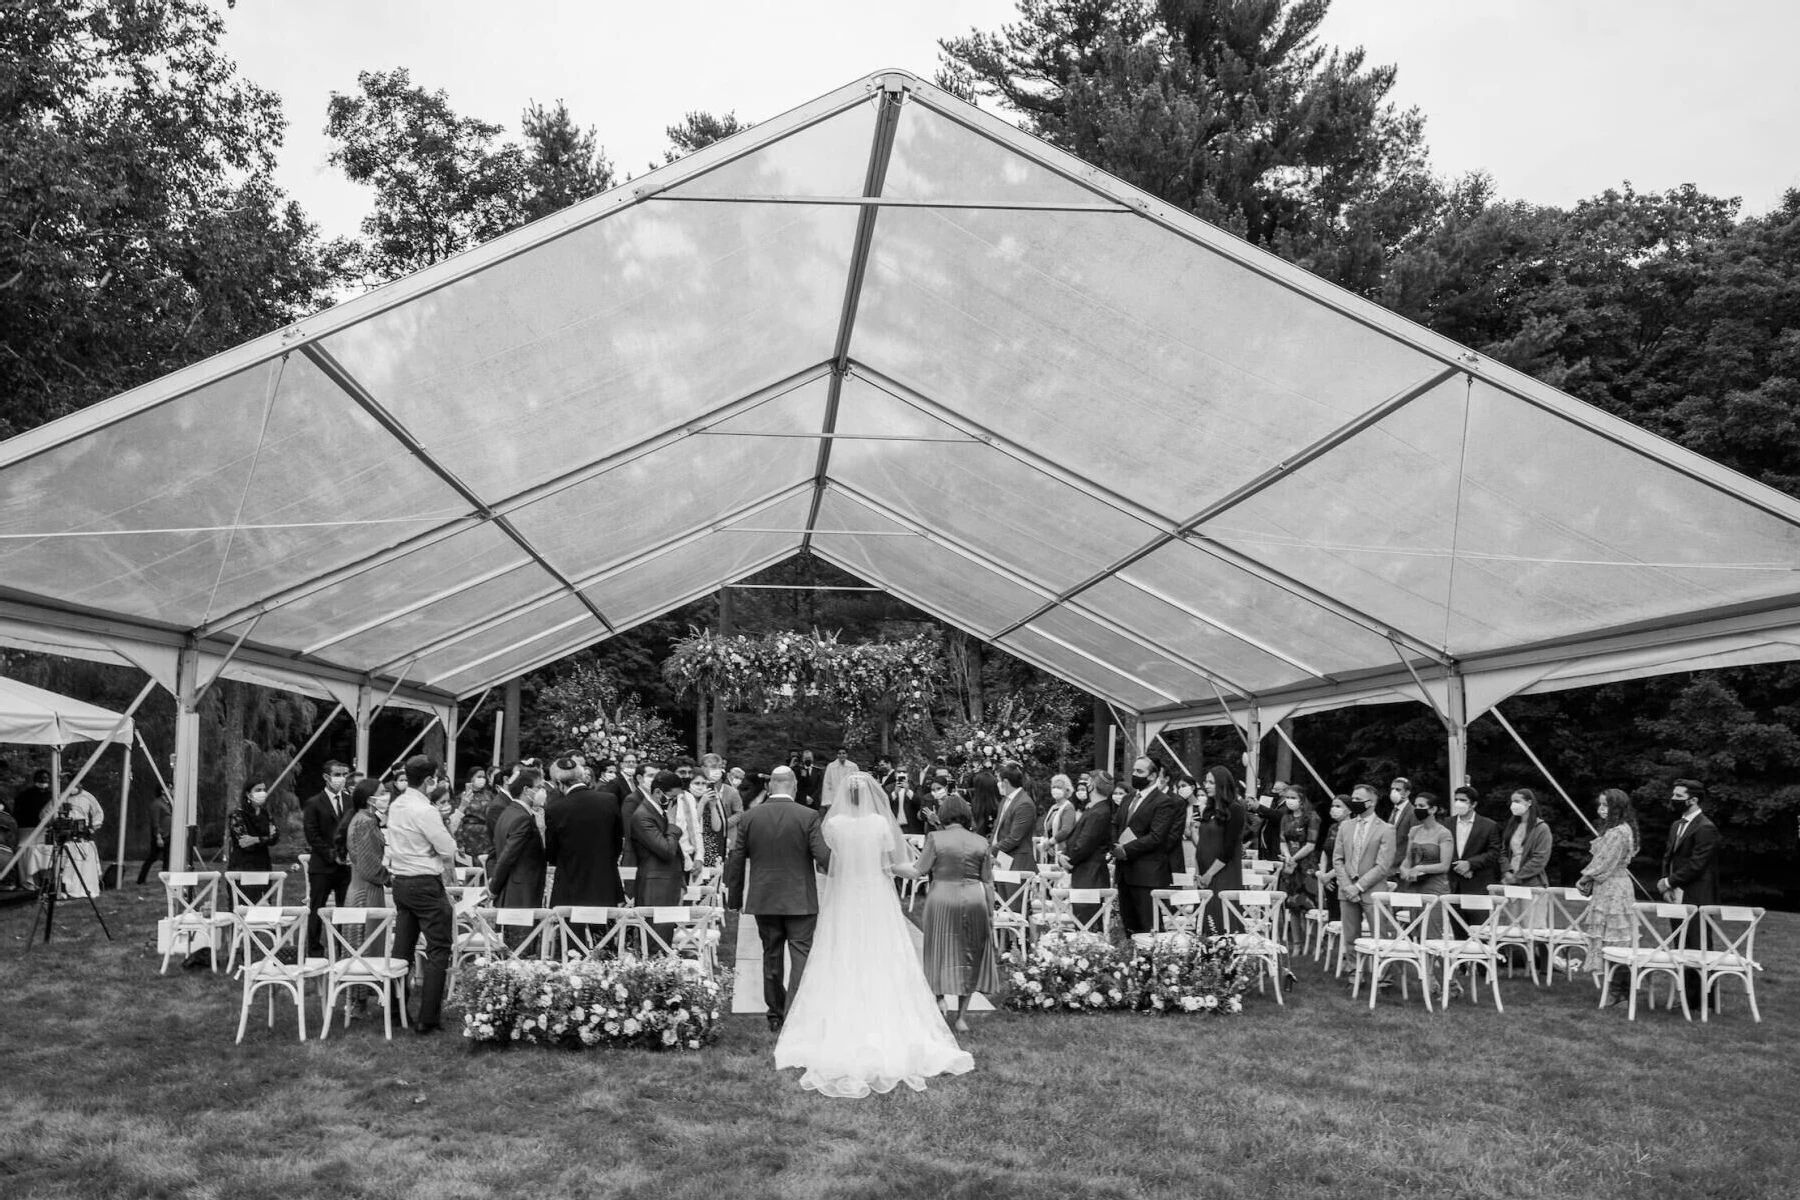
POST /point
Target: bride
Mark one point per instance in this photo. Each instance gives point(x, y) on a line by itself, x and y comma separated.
point(864, 1018)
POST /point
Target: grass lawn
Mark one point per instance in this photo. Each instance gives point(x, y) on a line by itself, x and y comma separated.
point(115, 1081)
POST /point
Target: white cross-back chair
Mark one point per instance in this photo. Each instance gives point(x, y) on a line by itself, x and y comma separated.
point(357, 941)
point(1398, 922)
point(1257, 916)
point(1556, 926)
point(1065, 905)
point(1318, 929)
point(193, 899)
point(693, 933)
point(1728, 933)
point(585, 931)
point(1013, 908)
point(1654, 952)
point(1175, 913)
point(1462, 935)
point(522, 933)
point(909, 888)
point(238, 884)
point(275, 960)
point(471, 877)
point(1514, 927)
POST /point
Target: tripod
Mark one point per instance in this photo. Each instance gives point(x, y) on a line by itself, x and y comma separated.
point(46, 904)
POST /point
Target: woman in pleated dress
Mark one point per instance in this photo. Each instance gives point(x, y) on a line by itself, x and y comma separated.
point(959, 908)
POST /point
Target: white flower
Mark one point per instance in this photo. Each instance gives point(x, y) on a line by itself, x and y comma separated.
point(1235, 1004)
point(631, 1026)
point(612, 1027)
point(1095, 999)
point(668, 1037)
point(1209, 1002)
point(1082, 988)
point(693, 1044)
point(1190, 1003)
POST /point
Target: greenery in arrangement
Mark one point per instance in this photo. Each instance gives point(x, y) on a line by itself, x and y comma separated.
point(1028, 727)
point(863, 681)
point(588, 709)
point(652, 1004)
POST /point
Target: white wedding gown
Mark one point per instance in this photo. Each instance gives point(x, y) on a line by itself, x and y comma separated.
point(864, 1018)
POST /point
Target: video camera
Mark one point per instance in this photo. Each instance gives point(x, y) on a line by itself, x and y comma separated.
point(65, 828)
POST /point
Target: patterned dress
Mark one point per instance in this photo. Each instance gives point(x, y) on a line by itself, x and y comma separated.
point(1609, 916)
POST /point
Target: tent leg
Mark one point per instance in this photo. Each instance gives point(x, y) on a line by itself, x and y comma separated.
point(187, 758)
point(1456, 726)
point(1287, 738)
point(364, 720)
point(1253, 752)
point(124, 813)
point(450, 732)
point(1542, 769)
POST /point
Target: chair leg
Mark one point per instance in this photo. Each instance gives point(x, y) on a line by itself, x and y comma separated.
point(243, 1014)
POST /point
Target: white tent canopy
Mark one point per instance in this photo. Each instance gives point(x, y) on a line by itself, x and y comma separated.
point(31, 716)
point(894, 331)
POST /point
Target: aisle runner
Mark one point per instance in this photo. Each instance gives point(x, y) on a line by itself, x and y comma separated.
point(746, 993)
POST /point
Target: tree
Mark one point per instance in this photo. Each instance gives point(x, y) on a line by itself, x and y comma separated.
point(1227, 108)
point(563, 162)
point(140, 229)
point(699, 129)
point(442, 183)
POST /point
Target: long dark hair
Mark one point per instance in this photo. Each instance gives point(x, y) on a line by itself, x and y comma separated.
point(1531, 816)
point(1225, 786)
point(1619, 811)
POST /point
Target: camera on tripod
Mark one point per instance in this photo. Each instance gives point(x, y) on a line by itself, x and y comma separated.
point(64, 828)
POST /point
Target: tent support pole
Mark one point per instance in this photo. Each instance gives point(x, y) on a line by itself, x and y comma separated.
point(294, 762)
point(1285, 736)
point(1253, 752)
point(230, 654)
point(186, 791)
point(1456, 724)
point(124, 814)
point(436, 719)
point(365, 717)
point(1174, 755)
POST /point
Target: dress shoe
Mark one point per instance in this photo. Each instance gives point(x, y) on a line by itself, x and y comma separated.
point(774, 1024)
point(422, 1030)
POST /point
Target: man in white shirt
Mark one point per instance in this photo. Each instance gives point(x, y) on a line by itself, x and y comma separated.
point(837, 771)
point(419, 851)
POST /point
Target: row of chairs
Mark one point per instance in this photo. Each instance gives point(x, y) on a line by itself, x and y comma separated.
point(1450, 933)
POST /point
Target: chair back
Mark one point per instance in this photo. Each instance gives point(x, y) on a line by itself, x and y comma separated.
point(1560, 909)
point(239, 883)
point(1257, 913)
point(1649, 933)
point(357, 939)
point(1401, 916)
point(268, 931)
point(1256, 881)
point(1178, 910)
point(464, 897)
point(193, 897)
point(1469, 919)
point(1184, 881)
point(471, 876)
point(1016, 905)
point(1728, 931)
point(498, 927)
point(586, 930)
point(1099, 920)
point(627, 878)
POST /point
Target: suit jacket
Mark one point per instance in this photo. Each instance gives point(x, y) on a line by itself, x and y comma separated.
point(320, 825)
point(1403, 823)
point(629, 799)
point(1013, 830)
point(811, 785)
point(1087, 846)
point(583, 833)
point(784, 844)
point(1157, 826)
point(660, 862)
point(1692, 863)
point(1363, 855)
point(516, 867)
point(1482, 852)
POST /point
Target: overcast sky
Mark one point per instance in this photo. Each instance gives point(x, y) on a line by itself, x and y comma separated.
point(1556, 99)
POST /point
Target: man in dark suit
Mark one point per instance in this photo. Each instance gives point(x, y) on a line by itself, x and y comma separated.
point(327, 876)
point(516, 866)
point(656, 839)
point(1010, 842)
point(809, 782)
point(1475, 846)
point(784, 843)
point(1151, 823)
point(635, 791)
point(583, 835)
point(1690, 872)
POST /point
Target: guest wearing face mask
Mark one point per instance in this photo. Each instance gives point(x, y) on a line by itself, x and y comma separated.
point(1690, 866)
point(1429, 847)
point(250, 831)
point(1217, 832)
point(937, 790)
point(1299, 847)
point(728, 801)
point(1475, 846)
point(1187, 792)
point(1339, 814)
point(1059, 821)
point(1362, 858)
point(1526, 843)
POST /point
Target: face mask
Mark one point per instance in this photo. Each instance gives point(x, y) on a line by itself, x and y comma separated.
point(1420, 813)
point(259, 798)
point(1678, 803)
point(1140, 782)
point(713, 774)
point(1520, 808)
point(1460, 807)
point(1293, 803)
point(1358, 806)
point(1057, 793)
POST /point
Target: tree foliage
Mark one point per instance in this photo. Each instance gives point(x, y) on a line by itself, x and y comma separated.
point(140, 228)
point(698, 129)
point(563, 162)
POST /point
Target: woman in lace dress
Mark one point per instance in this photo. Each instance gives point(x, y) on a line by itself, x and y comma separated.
point(1607, 881)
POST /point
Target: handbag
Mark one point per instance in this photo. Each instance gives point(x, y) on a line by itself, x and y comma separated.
point(1585, 886)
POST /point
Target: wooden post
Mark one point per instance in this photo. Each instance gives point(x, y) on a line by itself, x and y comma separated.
point(510, 740)
point(1102, 736)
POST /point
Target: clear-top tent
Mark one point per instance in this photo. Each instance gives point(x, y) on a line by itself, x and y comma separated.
point(895, 331)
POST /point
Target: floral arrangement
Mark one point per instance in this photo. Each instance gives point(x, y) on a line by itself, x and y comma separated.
point(1182, 973)
point(778, 671)
point(1023, 728)
point(585, 703)
point(654, 1004)
point(1070, 971)
point(1084, 972)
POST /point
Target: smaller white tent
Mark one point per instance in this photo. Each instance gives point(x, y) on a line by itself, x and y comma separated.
point(31, 716)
